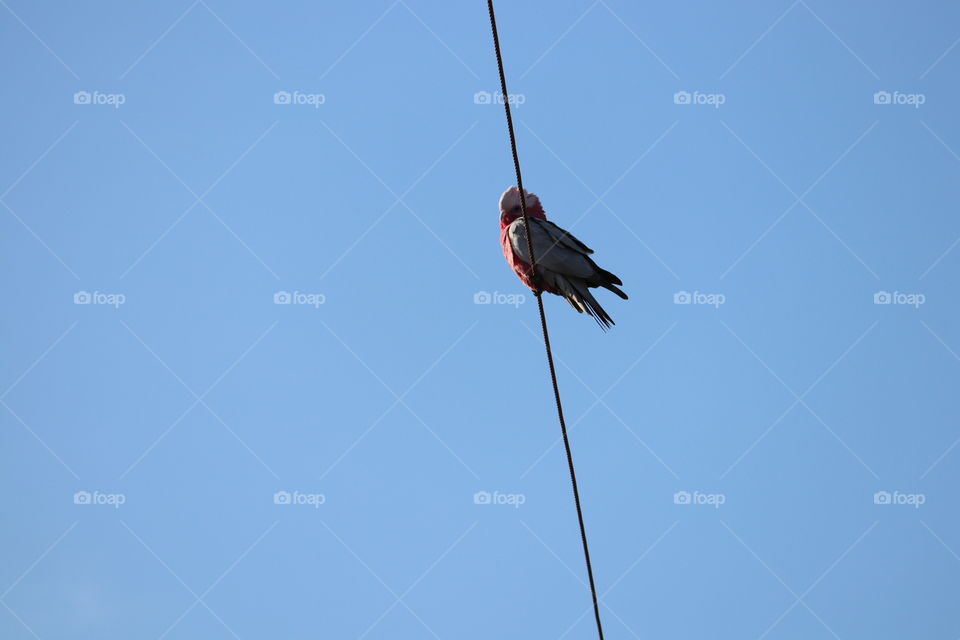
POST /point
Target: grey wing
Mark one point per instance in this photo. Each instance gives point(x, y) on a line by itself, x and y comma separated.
point(554, 248)
point(564, 236)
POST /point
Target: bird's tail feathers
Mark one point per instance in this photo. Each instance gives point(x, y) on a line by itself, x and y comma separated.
point(613, 288)
point(580, 298)
point(607, 276)
point(607, 280)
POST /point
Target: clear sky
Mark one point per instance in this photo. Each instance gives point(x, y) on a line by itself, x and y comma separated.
point(265, 374)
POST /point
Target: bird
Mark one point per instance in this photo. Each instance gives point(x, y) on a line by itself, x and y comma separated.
point(563, 263)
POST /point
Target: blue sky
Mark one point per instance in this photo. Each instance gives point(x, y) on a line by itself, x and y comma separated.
point(250, 388)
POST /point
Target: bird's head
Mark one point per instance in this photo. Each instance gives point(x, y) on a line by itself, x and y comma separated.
point(510, 206)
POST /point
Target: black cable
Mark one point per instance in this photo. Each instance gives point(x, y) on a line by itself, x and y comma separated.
point(543, 319)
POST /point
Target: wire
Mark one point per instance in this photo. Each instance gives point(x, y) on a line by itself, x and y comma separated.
point(543, 319)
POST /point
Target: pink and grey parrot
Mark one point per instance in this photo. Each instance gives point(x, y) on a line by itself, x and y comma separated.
point(564, 266)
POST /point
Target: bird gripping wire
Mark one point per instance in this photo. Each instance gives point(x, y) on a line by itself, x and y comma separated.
point(543, 319)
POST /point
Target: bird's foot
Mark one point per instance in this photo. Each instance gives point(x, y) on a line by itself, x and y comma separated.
point(536, 284)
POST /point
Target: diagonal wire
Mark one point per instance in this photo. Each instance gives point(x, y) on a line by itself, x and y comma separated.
point(543, 319)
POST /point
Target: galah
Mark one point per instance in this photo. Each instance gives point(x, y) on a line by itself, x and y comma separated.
point(564, 266)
